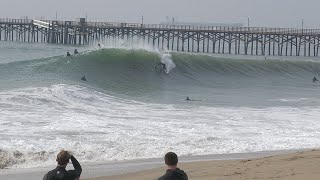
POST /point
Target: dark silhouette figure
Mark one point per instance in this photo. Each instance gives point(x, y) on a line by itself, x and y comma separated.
point(99, 46)
point(76, 51)
point(173, 172)
point(60, 172)
point(68, 54)
point(314, 79)
point(84, 78)
point(188, 99)
point(161, 67)
point(164, 66)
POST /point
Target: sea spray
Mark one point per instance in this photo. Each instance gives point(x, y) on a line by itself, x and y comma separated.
point(167, 60)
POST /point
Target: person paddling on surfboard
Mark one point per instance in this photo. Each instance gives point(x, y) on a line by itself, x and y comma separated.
point(84, 78)
point(314, 79)
point(188, 99)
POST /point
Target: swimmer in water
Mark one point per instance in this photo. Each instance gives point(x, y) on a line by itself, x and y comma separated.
point(314, 79)
point(68, 54)
point(76, 51)
point(84, 78)
point(188, 99)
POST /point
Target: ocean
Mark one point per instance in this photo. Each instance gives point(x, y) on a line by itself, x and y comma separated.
point(128, 109)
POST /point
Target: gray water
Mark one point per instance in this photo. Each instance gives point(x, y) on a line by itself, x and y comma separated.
point(127, 109)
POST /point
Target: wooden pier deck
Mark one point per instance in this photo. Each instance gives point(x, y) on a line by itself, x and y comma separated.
point(204, 39)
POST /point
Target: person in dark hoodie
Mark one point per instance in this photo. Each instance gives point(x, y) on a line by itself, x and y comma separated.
point(173, 173)
point(60, 172)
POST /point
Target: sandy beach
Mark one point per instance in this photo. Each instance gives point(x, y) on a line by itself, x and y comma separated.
point(293, 166)
point(283, 165)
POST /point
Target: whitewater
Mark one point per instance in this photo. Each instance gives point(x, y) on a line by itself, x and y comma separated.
point(127, 110)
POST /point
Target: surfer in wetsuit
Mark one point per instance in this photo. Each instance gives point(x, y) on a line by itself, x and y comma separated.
point(76, 51)
point(60, 172)
point(314, 79)
point(188, 99)
point(84, 78)
point(68, 54)
point(99, 46)
point(163, 67)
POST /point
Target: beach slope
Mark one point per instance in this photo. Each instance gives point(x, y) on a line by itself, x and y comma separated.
point(293, 166)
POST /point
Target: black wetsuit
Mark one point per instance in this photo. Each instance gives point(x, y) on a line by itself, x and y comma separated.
point(76, 52)
point(60, 173)
point(176, 174)
point(314, 79)
point(164, 66)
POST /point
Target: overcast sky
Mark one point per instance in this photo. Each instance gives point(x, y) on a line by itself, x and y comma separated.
point(271, 13)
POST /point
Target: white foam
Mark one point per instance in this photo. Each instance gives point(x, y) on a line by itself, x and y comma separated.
point(166, 59)
point(289, 100)
point(37, 122)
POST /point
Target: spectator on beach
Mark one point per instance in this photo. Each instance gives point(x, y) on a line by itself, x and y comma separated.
point(173, 173)
point(60, 172)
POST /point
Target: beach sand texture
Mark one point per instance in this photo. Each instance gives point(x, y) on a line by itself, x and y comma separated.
point(304, 165)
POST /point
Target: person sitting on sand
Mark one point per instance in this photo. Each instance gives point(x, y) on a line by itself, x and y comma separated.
point(60, 172)
point(314, 79)
point(173, 173)
point(68, 54)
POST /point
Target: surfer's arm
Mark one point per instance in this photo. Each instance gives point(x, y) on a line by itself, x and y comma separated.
point(77, 167)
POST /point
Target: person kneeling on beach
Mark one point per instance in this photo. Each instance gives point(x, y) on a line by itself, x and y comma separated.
point(60, 172)
point(173, 173)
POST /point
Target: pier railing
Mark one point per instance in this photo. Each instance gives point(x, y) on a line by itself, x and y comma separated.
point(15, 21)
point(168, 27)
point(185, 38)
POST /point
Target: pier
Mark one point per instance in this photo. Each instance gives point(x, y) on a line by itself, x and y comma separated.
point(181, 38)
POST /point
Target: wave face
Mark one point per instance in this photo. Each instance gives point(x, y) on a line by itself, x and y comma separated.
point(128, 108)
point(134, 74)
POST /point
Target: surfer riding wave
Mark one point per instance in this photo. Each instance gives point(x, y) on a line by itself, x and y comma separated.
point(161, 67)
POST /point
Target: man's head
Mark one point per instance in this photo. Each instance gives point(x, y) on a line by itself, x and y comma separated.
point(63, 158)
point(171, 159)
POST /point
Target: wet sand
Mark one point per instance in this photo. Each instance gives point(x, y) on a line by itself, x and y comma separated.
point(293, 166)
